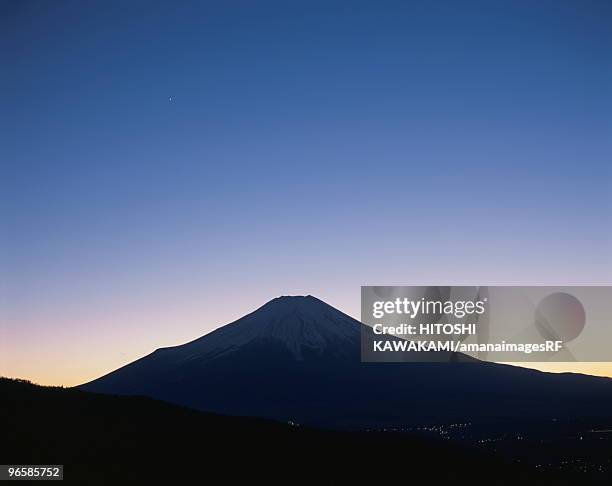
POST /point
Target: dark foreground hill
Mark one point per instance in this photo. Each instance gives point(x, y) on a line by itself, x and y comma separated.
point(103, 439)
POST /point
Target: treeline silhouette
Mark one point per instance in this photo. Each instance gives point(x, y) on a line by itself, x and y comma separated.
point(103, 439)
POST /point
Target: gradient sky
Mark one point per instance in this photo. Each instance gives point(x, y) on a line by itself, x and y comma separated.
point(167, 167)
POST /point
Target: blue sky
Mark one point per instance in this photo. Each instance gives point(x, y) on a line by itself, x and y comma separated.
point(168, 166)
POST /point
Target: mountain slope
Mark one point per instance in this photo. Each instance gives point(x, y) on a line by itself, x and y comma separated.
point(298, 359)
point(103, 439)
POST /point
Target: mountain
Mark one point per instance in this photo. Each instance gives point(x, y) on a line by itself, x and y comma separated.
point(102, 439)
point(298, 359)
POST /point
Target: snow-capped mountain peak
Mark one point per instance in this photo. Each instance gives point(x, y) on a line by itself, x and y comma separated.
point(298, 323)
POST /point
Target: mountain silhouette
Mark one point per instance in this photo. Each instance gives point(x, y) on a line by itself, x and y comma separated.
point(298, 359)
point(103, 439)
